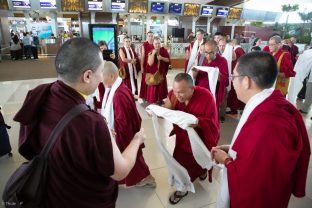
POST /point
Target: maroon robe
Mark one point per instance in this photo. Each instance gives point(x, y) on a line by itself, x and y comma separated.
point(266, 49)
point(273, 154)
point(221, 63)
point(147, 49)
point(156, 93)
point(98, 103)
point(127, 122)
point(232, 101)
point(294, 52)
point(286, 64)
point(81, 162)
point(206, 112)
point(127, 80)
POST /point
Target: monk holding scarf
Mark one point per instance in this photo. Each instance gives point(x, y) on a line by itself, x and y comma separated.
point(123, 118)
point(193, 50)
point(188, 98)
point(130, 62)
point(268, 158)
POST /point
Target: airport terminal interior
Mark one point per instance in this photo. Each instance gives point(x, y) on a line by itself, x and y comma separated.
point(53, 22)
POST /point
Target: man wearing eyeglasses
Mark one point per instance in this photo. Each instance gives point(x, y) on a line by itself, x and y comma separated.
point(284, 64)
point(213, 59)
point(268, 158)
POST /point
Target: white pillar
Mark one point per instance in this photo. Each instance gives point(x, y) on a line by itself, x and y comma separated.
point(209, 20)
point(54, 23)
point(92, 17)
point(114, 16)
point(165, 32)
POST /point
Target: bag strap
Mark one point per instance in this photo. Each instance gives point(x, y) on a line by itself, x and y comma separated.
point(280, 61)
point(60, 126)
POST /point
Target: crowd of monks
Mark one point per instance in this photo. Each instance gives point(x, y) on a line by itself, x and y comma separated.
point(266, 162)
point(119, 108)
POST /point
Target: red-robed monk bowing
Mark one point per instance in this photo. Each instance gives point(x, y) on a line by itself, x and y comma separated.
point(156, 72)
point(268, 158)
point(146, 48)
point(120, 111)
point(213, 59)
point(199, 102)
point(130, 61)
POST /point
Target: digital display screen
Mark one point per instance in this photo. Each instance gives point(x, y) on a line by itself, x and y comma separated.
point(222, 12)
point(106, 34)
point(48, 4)
point(175, 8)
point(206, 10)
point(95, 5)
point(21, 4)
point(191, 9)
point(157, 7)
point(118, 5)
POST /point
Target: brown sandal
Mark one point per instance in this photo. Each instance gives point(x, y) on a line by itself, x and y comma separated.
point(175, 198)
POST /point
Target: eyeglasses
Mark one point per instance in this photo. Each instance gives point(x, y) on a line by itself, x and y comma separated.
point(233, 76)
point(209, 53)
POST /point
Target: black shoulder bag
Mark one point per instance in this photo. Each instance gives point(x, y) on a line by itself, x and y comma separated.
point(26, 185)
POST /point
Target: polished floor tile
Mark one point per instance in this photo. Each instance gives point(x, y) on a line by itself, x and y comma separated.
point(13, 94)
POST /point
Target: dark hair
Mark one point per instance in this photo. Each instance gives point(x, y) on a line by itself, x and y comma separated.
point(201, 31)
point(76, 56)
point(150, 32)
point(218, 33)
point(260, 67)
point(184, 76)
point(15, 39)
point(102, 42)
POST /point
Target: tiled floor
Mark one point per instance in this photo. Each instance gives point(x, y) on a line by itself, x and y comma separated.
point(12, 95)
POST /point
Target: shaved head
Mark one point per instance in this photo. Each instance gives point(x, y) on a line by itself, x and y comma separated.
point(110, 68)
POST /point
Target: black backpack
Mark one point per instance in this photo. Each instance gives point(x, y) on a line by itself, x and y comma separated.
point(26, 186)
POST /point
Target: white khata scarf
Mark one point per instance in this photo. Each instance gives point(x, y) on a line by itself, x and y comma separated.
point(178, 175)
point(132, 69)
point(223, 200)
point(107, 109)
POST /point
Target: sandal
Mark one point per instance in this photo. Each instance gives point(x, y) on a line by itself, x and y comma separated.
point(203, 177)
point(175, 198)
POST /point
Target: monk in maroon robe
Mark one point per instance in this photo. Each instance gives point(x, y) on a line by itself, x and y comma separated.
point(146, 48)
point(284, 64)
point(126, 123)
point(188, 98)
point(233, 103)
point(85, 161)
point(128, 56)
point(213, 59)
point(158, 60)
point(269, 156)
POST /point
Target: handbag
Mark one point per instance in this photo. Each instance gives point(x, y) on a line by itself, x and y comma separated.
point(26, 186)
point(122, 72)
point(154, 79)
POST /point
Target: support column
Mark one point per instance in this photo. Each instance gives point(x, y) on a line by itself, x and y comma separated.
point(92, 17)
point(194, 20)
point(209, 20)
point(54, 23)
point(4, 29)
point(166, 29)
point(114, 16)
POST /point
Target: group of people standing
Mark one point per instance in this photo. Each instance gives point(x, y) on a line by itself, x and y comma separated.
point(24, 46)
point(266, 162)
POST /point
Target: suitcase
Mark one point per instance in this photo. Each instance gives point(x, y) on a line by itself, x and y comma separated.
point(5, 146)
